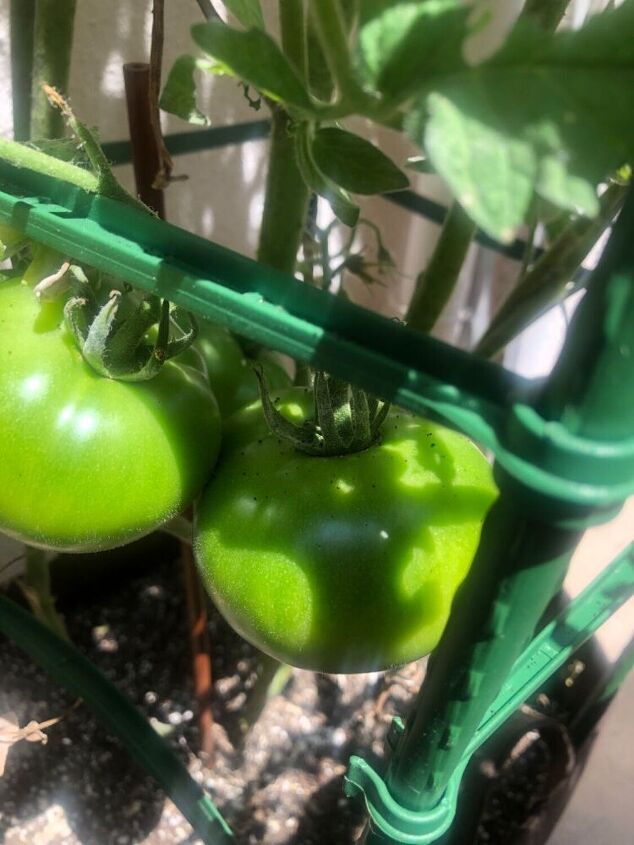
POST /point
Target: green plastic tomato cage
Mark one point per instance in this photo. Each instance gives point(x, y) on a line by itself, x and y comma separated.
point(564, 459)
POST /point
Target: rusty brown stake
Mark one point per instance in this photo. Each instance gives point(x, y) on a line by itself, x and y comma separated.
point(200, 645)
point(146, 159)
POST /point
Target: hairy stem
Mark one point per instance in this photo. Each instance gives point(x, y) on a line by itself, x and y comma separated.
point(293, 31)
point(179, 527)
point(437, 281)
point(285, 202)
point(162, 177)
point(545, 283)
point(107, 183)
point(331, 30)
point(22, 156)
point(37, 589)
point(53, 39)
point(22, 32)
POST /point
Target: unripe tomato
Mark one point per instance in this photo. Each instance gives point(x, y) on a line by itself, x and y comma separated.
point(341, 564)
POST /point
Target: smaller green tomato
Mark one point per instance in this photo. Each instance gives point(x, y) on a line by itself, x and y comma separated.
point(341, 564)
point(217, 353)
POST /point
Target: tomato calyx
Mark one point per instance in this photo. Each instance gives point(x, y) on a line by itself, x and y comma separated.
point(112, 337)
point(346, 420)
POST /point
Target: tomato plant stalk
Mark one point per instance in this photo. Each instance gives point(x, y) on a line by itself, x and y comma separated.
point(37, 589)
point(285, 202)
point(53, 36)
point(437, 281)
point(22, 24)
point(547, 13)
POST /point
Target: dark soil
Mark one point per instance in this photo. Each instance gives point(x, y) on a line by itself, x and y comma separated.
point(281, 783)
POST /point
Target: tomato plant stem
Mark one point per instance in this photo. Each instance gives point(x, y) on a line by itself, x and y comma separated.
point(208, 10)
point(272, 678)
point(37, 589)
point(22, 27)
point(179, 527)
point(53, 37)
point(162, 176)
point(547, 13)
point(293, 31)
point(545, 282)
point(436, 282)
point(22, 156)
point(285, 202)
point(331, 30)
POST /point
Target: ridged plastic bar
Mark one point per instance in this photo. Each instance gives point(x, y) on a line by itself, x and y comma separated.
point(547, 652)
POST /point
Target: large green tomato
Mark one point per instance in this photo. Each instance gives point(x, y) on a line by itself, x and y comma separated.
point(344, 564)
point(87, 462)
point(216, 352)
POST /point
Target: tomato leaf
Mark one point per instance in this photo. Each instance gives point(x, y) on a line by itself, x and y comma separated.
point(342, 206)
point(401, 43)
point(247, 12)
point(551, 113)
point(354, 163)
point(255, 58)
point(179, 93)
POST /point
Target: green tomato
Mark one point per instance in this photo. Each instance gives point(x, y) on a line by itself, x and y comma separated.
point(90, 463)
point(217, 353)
point(344, 564)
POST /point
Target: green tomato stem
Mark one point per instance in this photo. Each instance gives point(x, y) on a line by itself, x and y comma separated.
point(545, 282)
point(436, 283)
point(107, 184)
point(22, 156)
point(272, 678)
point(22, 31)
point(547, 13)
point(179, 527)
point(331, 30)
point(285, 203)
point(208, 10)
point(293, 31)
point(53, 38)
point(37, 589)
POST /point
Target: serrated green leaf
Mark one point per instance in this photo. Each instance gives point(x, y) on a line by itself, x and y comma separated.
point(341, 204)
point(179, 93)
point(247, 12)
point(255, 58)
point(550, 113)
point(354, 163)
point(400, 43)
